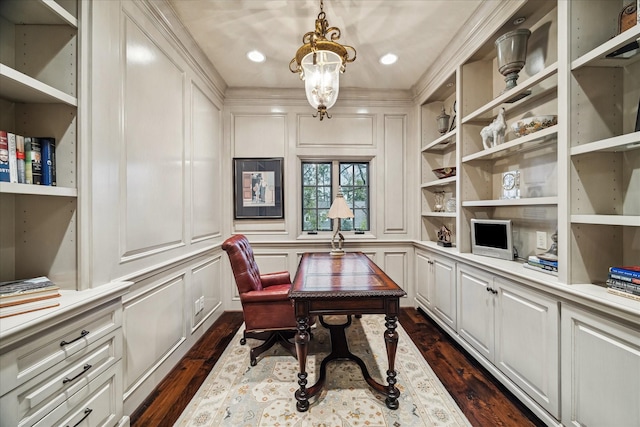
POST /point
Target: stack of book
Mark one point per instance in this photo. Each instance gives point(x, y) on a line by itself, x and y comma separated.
point(545, 265)
point(624, 281)
point(23, 296)
point(27, 159)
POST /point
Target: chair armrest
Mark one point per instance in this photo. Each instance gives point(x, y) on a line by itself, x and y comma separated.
point(275, 293)
point(278, 278)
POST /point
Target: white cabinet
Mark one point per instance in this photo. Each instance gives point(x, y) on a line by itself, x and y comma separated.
point(514, 328)
point(61, 365)
point(436, 286)
point(600, 370)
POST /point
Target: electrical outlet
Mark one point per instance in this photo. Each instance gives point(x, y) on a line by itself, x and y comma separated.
point(196, 308)
point(541, 240)
point(202, 303)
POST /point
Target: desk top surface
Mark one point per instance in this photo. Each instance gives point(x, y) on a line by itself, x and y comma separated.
point(321, 275)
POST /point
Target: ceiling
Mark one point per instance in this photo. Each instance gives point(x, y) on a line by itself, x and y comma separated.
point(417, 31)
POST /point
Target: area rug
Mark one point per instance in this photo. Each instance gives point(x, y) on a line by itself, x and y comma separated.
point(237, 394)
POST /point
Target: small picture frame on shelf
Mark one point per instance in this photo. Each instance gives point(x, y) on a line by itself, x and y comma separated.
point(258, 188)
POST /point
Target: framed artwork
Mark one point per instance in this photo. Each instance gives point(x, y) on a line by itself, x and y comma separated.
point(258, 188)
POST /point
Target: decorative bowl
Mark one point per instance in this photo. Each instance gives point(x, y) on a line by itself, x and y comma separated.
point(533, 124)
point(444, 172)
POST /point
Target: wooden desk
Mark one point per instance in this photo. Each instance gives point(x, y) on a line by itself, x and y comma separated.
point(344, 285)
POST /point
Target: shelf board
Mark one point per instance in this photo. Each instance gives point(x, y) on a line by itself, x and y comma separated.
point(19, 87)
point(598, 56)
point(443, 142)
point(533, 140)
point(36, 12)
point(628, 220)
point(521, 87)
point(530, 201)
point(38, 190)
point(630, 141)
point(440, 214)
point(439, 182)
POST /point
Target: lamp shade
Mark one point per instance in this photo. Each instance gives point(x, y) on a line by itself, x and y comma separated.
point(339, 208)
point(321, 73)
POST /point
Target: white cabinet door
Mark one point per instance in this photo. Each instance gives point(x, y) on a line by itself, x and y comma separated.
point(600, 370)
point(444, 290)
point(526, 342)
point(424, 280)
point(475, 310)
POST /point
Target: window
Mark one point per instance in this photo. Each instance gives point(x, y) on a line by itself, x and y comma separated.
point(319, 187)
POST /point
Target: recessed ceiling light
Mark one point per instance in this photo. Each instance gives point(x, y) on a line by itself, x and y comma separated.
point(519, 20)
point(388, 59)
point(256, 56)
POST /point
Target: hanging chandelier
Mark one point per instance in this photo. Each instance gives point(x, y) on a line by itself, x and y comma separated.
point(319, 62)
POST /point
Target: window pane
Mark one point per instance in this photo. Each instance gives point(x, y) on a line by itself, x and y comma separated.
point(324, 174)
point(354, 180)
point(361, 220)
point(346, 174)
point(324, 197)
point(309, 174)
point(316, 196)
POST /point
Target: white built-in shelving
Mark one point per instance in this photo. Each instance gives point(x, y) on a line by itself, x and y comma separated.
point(38, 97)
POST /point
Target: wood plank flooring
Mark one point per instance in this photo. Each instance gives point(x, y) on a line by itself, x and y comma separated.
point(484, 401)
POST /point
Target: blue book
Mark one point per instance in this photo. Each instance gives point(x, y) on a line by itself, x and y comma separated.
point(535, 260)
point(48, 147)
point(632, 271)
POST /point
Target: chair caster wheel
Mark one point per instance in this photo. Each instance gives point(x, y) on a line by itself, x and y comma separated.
point(254, 362)
point(243, 341)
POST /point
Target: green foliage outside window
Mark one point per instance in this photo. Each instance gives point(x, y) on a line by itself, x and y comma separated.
point(317, 195)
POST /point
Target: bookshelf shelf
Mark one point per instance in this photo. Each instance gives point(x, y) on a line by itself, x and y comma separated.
point(547, 72)
point(440, 182)
point(532, 141)
point(624, 220)
point(38, 190)
point(447, 140)
point(37, 12)
point(532, 201)
point(597, 57)
point(19, 87)
point(630, 141)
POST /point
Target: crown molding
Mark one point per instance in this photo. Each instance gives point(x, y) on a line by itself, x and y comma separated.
point(296, 97)
point(164, 14)
point(489, 17)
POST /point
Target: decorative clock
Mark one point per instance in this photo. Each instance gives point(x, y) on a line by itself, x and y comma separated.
point(511, 185)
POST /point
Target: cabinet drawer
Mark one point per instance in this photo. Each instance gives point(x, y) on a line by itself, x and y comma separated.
point(38, 396)
point(44, 350)
point(94, 405)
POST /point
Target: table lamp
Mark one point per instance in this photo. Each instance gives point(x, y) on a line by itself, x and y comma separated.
point(339, 209)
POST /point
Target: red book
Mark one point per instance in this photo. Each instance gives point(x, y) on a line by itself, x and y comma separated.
point(4, 157)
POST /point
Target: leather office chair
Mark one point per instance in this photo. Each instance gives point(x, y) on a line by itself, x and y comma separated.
point(266, 307)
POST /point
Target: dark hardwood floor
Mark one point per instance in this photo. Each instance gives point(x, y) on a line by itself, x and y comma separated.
point(484, 401)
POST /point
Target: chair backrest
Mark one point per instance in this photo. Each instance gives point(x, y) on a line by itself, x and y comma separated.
point(243, 264)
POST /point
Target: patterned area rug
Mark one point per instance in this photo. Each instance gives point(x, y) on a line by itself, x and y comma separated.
point(237, 394)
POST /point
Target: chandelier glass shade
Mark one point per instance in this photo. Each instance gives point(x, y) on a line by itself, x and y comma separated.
point(319, 62)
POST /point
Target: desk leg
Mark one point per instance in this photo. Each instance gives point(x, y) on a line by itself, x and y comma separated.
point(302, 348)
point(391, 342)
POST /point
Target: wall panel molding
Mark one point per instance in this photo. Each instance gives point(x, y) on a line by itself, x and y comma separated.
point(395, 192)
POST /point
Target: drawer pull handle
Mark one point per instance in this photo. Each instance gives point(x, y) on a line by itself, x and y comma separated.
point(82, 334)
point(86, 414)
point(85, 369)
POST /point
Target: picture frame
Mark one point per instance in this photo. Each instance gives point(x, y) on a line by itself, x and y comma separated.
point(258, 188)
